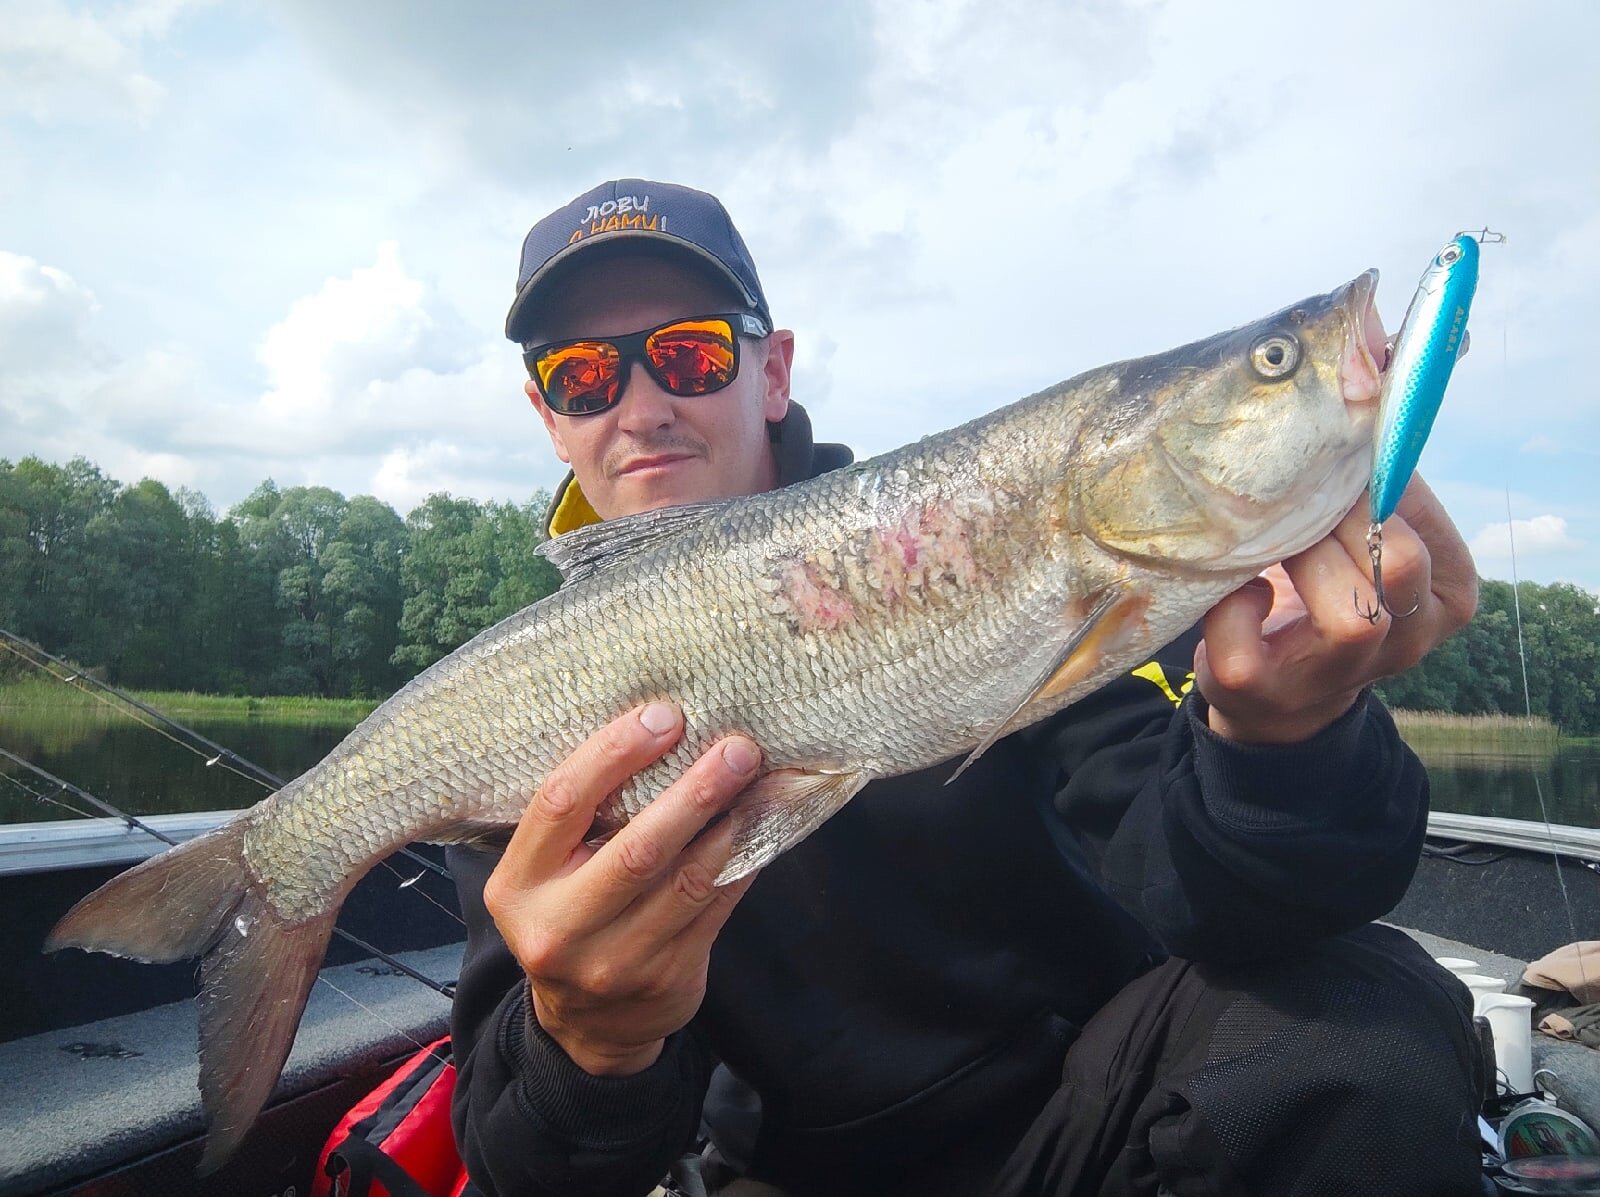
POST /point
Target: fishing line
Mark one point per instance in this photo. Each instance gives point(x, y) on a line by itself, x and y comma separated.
point(76, 677)
point(224, 756)
point(1527, 701)
point(105, 807)
point(46, 799)
point(398, 1030)
point(1522, 652)
point(448, 990)
point(5, 636)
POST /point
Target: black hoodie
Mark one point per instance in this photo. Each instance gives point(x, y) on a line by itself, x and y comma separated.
point(900, 988)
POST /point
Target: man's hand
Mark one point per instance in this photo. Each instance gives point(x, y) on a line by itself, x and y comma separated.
point(1288, 653)
point(616, 940)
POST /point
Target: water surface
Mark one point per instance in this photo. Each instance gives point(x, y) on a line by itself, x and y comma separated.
point(143, 771)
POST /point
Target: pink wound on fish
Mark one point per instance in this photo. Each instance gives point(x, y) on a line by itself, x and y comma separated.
point(889, 566)
point(811, 599)
point(928, 545)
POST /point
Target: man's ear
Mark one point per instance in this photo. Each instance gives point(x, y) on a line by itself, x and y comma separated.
point(549, 419)
point(775, 373)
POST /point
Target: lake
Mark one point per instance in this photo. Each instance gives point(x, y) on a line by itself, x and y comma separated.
point(142, 771)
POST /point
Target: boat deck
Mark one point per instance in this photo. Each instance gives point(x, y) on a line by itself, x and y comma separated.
point(112, 1095)
point(134, 1093)
point(132, 1089)
point(1571, 1072)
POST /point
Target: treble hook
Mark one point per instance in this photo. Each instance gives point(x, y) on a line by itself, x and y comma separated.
point(1375, 554)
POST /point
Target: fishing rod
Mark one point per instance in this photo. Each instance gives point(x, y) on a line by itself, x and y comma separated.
point(224, 755)
point(444, 988)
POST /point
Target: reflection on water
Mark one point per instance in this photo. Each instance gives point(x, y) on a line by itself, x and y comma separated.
point(141, 770)
point(1488, 783)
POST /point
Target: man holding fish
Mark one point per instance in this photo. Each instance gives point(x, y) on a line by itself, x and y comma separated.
point(1127, 951)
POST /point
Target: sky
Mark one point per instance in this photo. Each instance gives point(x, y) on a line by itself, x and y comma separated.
point(279, 239)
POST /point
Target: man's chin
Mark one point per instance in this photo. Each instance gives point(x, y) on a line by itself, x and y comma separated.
point(648, 491)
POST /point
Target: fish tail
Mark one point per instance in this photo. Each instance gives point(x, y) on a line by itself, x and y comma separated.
point(257, 968)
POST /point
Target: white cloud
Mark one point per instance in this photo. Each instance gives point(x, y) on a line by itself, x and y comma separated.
point(62, 63)
point(373, 385)
point(1070, 183)
point(349, 336)
point(44, 316)
point(1537, 537)
point(63, 392)
point(376, 380)
point(369, 361)
point(485, 470)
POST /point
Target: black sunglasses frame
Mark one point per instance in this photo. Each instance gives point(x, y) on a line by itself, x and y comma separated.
point(630, 347)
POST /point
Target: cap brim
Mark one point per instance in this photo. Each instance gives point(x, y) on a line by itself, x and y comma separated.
point(524, 306)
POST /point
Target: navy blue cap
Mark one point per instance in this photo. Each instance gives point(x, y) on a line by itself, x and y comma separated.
point(662, 214)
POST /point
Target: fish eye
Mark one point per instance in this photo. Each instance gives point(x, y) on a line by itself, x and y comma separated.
point(1275, 356)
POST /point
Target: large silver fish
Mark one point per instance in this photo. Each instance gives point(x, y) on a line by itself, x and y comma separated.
point(869, 622)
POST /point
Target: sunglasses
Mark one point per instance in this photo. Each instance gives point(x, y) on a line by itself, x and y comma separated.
point(697, 356)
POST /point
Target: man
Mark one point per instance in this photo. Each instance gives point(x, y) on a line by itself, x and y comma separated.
point(1125, 951)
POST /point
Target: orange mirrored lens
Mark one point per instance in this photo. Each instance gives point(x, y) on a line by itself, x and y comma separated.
point(581, 377)
point(692, 357)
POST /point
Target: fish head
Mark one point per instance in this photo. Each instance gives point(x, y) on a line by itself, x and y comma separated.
point(1234, 452)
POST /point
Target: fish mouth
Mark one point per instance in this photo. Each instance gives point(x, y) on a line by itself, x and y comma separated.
point(1366, 352)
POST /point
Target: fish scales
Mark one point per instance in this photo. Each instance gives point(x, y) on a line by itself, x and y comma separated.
point(466, 744)
point(868, 622)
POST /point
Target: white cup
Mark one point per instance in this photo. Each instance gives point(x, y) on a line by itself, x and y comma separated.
point(1456, 964)
point(1510, 1017)
point(1481, 986)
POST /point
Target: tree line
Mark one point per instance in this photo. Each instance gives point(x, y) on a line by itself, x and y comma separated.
point(300, 590)
point(295, 590)
point(1480, 670)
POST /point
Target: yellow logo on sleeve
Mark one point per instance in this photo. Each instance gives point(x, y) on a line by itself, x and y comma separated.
point(1156, 675)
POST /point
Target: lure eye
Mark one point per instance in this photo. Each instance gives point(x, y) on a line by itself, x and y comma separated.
point(1450, 254)
point(1275, 356)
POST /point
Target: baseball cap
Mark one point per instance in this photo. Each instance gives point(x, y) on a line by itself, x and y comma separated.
point(667, 215)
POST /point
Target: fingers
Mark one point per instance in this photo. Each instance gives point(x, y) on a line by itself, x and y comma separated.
point(702, 928)
point(1315, 650)
point(1290, 682)
point(1453, 573)
point(658, 838)
point(559, 816)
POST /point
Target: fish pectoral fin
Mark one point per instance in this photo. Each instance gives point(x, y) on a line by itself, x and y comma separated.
point(586, 551)
point(476, 833)
point(1115, 611)
point(779, 810)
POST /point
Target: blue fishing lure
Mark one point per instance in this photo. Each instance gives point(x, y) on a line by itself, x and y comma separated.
point(1431, 337)
point(1425, 352)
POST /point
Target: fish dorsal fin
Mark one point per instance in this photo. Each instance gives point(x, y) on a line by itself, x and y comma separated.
point(1087, 641)
point(586, 551)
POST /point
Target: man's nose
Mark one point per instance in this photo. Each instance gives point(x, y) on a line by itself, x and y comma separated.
point(643, 406)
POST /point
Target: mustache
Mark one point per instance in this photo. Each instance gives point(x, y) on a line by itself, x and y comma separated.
point(670, 442)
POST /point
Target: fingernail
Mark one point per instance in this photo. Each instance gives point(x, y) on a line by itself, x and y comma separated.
point(659, 718)
point(740, 756)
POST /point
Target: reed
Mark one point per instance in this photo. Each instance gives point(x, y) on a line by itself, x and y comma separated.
point(1499, 735)
point(40, 694)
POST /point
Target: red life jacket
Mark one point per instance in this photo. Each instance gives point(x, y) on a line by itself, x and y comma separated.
point(397, 1141)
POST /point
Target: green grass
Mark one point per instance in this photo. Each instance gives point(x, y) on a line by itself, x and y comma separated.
point(39, 694)
point(1501, 735)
